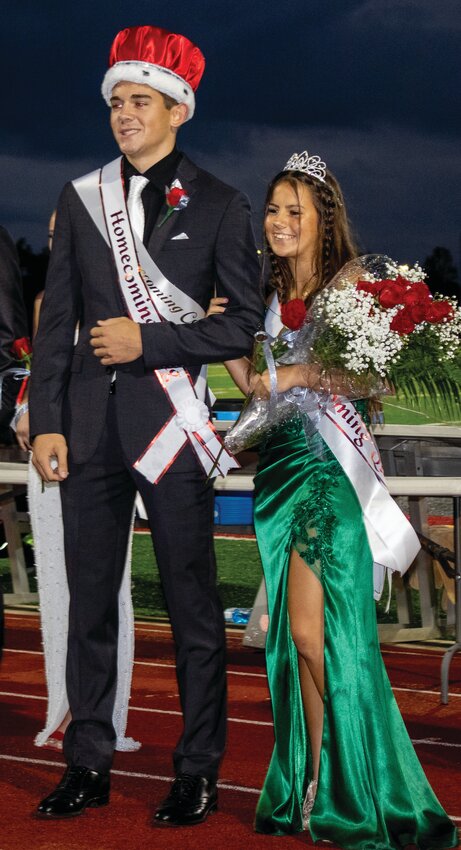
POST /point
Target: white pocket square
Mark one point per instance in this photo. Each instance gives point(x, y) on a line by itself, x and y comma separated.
point(180, 236)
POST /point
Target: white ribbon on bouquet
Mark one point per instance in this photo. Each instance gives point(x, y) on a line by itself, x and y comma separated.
point(150, 297)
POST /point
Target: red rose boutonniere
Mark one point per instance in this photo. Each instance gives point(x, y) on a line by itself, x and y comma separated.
point(293, 314)
point(176, 199)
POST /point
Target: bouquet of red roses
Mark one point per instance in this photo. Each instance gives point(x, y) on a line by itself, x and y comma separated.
point(374, 326)
point(380, 319)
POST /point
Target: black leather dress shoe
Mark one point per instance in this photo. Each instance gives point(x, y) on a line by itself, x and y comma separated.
point(190, 801)
point(79, 787)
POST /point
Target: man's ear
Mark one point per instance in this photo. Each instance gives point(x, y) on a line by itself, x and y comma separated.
point(178, 115)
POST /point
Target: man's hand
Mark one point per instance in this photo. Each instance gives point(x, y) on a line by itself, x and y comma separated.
point(45, 448)
point(116, 341)
point(216, 306)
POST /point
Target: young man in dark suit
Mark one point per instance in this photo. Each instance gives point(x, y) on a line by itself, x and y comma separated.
point(125, 410)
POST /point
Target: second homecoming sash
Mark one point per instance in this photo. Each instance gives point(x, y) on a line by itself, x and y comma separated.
point(150, 297)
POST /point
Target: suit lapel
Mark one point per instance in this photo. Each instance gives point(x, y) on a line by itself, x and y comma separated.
point(186, 173)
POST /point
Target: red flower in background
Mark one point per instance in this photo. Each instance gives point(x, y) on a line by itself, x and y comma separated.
point(22, 348)
point(293, 313)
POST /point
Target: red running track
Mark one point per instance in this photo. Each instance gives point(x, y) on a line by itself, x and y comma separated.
point(140, 779)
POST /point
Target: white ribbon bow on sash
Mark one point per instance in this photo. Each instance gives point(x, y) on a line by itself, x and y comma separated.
point(150, 298)
point(393, 541)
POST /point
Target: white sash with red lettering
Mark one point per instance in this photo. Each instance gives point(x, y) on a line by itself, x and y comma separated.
point(393, 542)
point(150, 298)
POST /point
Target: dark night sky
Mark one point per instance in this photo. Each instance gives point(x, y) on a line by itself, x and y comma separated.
point(370, 85)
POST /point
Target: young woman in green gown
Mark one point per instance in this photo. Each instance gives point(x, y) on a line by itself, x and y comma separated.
point(343, 765)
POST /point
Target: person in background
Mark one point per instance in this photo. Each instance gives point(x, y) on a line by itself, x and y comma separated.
point(46, 521)
point(13, 326)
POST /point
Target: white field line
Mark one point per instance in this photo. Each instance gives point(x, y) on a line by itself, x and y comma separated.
point(225, 786)
point(147, 710)
point(236, 673)
point(161, 628)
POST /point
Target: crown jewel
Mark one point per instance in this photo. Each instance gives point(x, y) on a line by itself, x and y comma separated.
point(311, 165)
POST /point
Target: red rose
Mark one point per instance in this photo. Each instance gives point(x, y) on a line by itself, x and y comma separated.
point(440, 310)
point(402, 323)
point(21, 347)
point(174, 196)
point(392, 293)
point(418, 293)
point(370, 286)
point(293, 313)
point(418, 312)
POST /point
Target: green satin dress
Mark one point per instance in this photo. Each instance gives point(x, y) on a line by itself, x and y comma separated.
point(372, 792)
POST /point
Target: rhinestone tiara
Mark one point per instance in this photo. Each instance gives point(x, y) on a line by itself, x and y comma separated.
point(311, 165)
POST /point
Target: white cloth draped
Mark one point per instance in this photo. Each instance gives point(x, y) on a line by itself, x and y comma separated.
point(47, 531)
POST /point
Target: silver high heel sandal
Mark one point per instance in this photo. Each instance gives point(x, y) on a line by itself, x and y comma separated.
point(309, 801)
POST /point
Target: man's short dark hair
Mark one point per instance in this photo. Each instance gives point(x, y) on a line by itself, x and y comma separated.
point(168, 101)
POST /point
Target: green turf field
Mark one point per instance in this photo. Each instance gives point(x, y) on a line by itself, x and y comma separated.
point(221, 382)
point(396, 411)
point(239, 576)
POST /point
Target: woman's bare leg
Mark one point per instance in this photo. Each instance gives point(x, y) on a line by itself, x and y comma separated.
point(305, 609)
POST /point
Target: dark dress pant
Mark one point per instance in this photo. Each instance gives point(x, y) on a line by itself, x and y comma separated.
point(97, 500)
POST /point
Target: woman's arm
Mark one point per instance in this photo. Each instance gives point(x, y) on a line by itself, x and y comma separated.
point(314, 377)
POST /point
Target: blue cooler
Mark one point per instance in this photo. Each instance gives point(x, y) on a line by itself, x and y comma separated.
point(233, 508)
point(227, 409)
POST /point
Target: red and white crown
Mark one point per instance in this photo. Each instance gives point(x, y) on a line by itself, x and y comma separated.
point(163, 60)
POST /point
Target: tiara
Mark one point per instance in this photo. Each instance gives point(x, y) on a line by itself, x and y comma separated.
point(311, 165)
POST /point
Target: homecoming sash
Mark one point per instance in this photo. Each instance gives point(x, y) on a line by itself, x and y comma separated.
point(151, 298)
point(393, 542)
